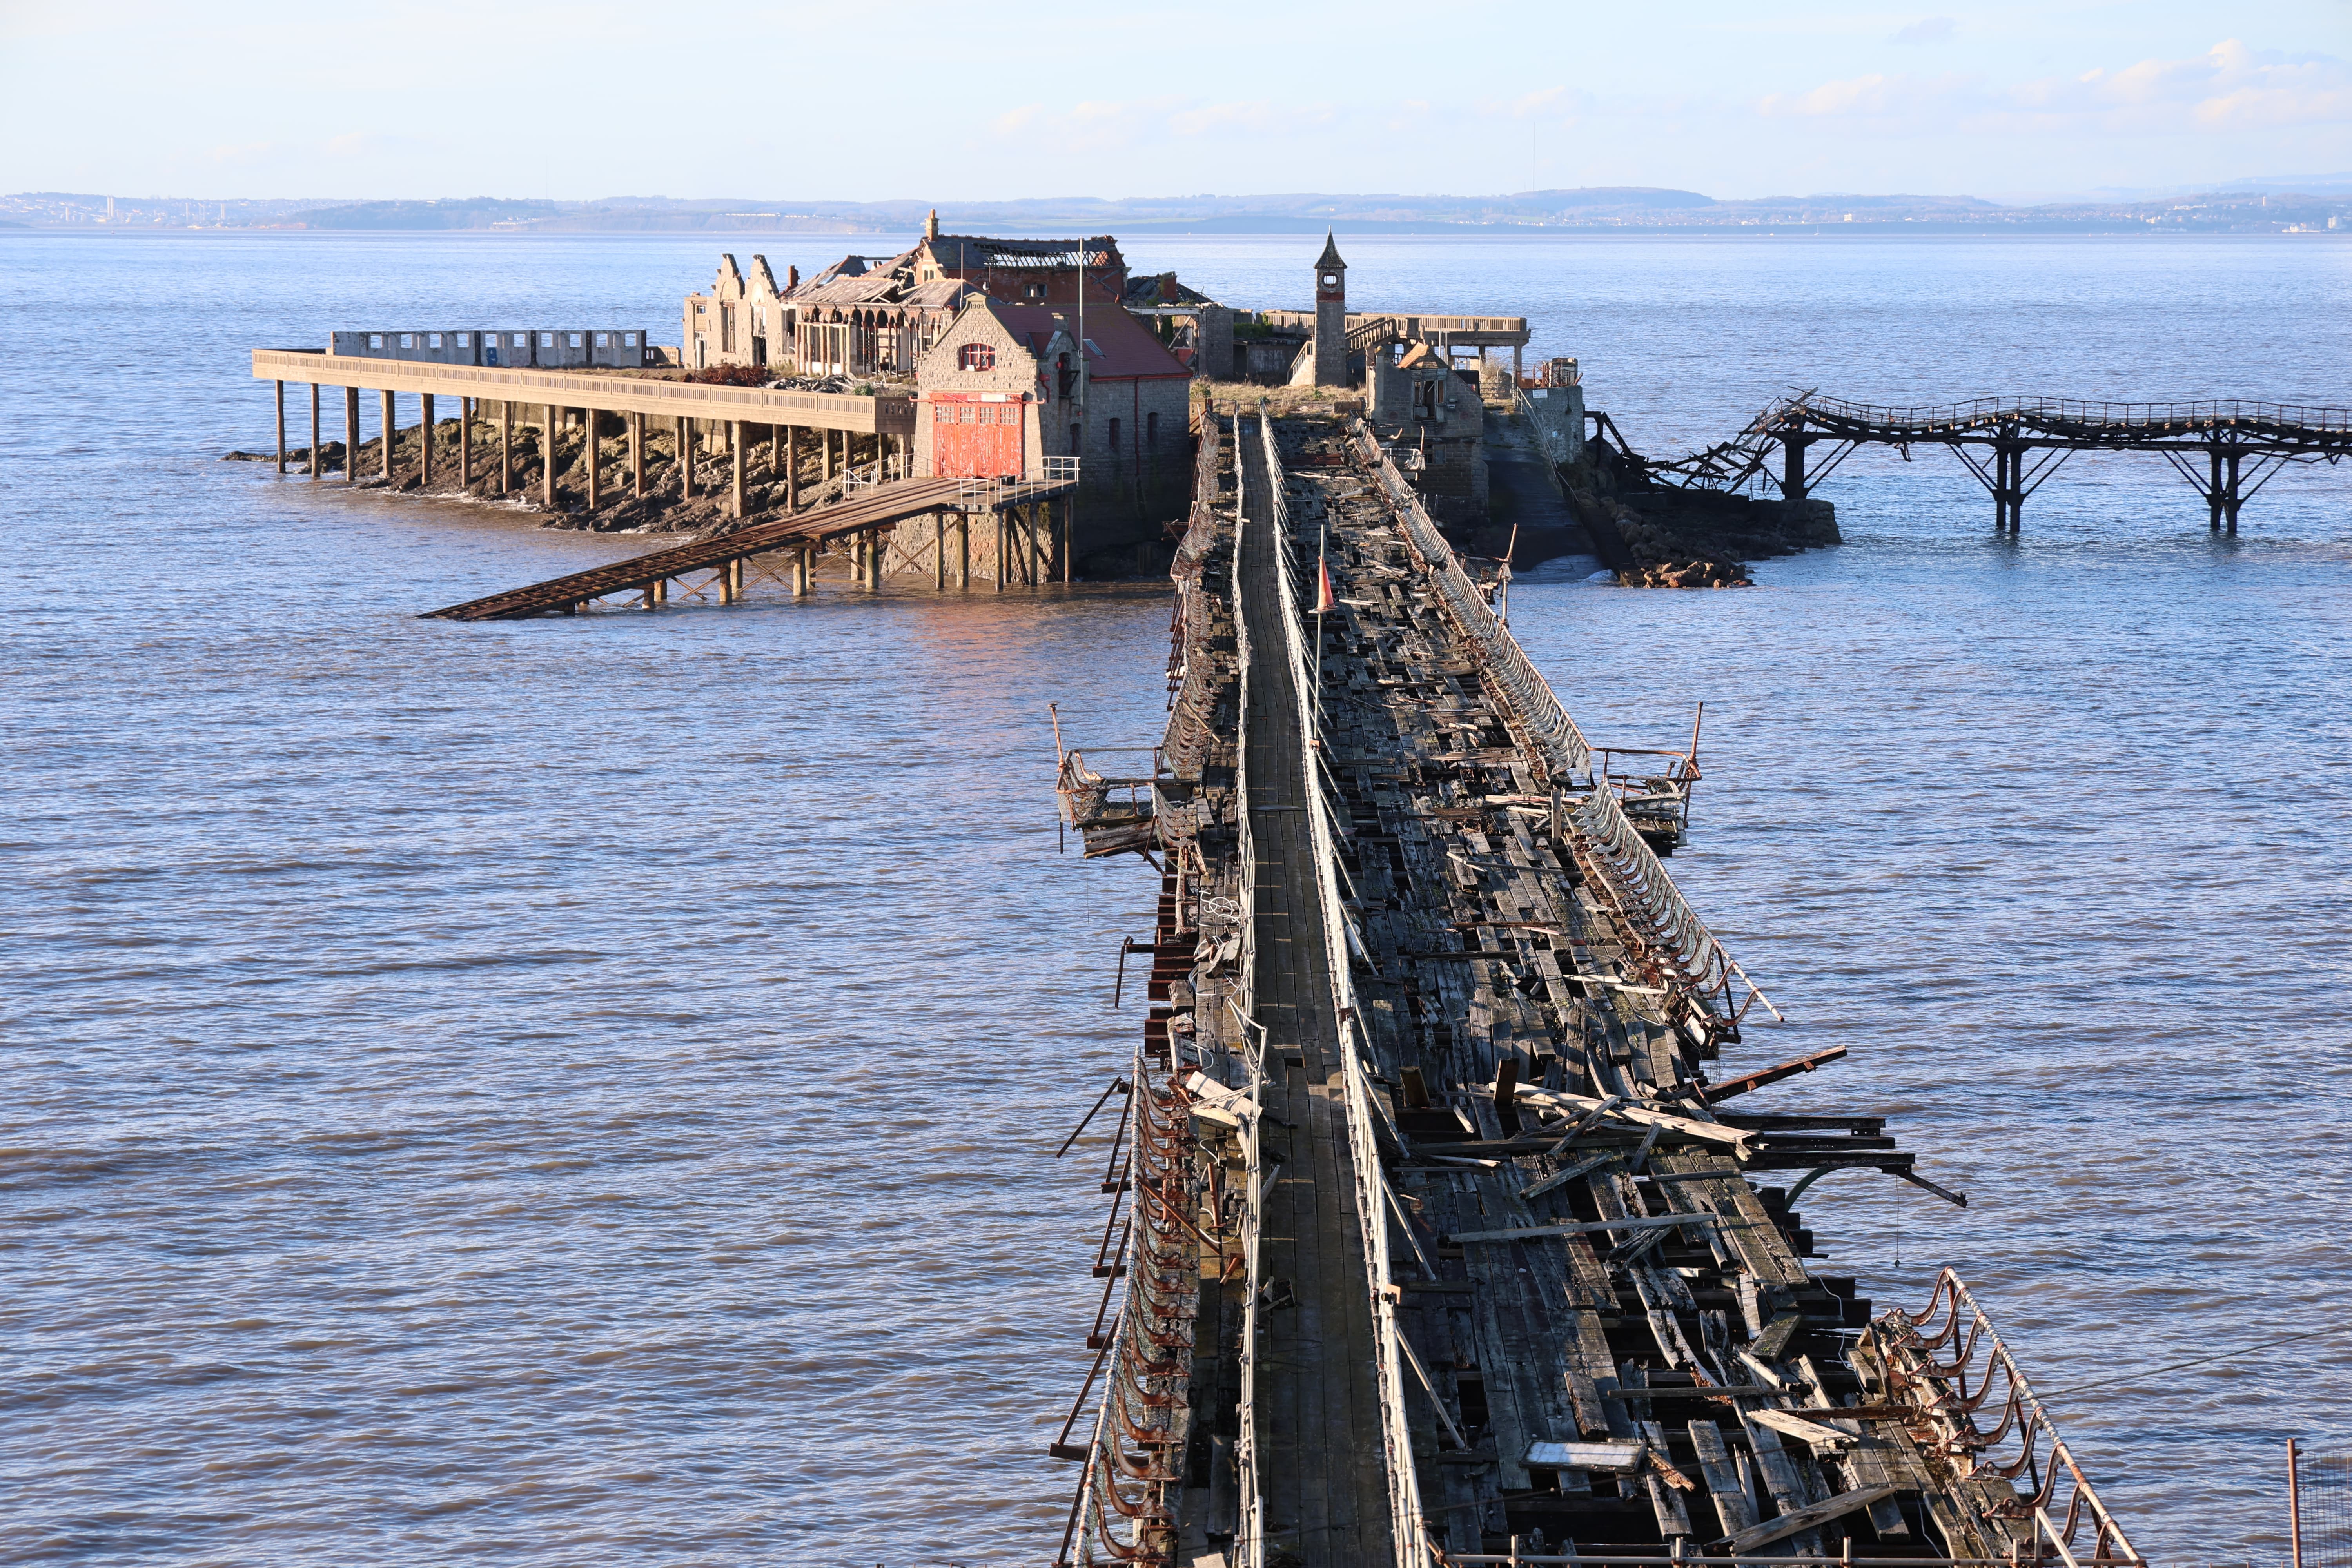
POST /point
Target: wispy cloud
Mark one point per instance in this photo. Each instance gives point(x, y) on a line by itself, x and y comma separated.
point(2229, 88)
point(1928, 30)
point(1874, 97)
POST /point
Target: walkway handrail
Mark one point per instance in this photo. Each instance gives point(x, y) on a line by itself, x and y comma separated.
point(1975, 413)
point(1250, 1538)
point(1654, 909)
point(1147, 1366)
point(1905, 1349)
point(1553, 735)
point(1373, 1199)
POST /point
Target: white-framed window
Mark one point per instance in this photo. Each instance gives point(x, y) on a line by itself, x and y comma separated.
point(547, 340)
point(408, 339)
point(976, 356)
point(465, 340)
point(431, 340)
point(375, 340)
point(522, 340)
point(628, 340)
point(575, 340)
point(603, 340)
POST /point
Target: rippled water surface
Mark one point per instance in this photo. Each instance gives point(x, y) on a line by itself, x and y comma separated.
point(585, 1091)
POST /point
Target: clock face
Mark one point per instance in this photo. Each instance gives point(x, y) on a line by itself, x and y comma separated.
point(1330, 281)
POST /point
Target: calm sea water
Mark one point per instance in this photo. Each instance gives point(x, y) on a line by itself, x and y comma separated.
point(585, 1091)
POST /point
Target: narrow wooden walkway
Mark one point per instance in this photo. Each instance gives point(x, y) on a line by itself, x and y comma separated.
point(1326, 1491)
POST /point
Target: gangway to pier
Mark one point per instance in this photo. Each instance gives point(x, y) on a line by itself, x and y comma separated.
point(862, 513)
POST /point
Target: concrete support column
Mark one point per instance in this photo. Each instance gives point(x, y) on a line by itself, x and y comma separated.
point(827, 437)
point(685, 458)
point(1518, 362)
point(547, 457)
point(351, 434)
point(314, 430)
point(425, 444)
point(465, 407)
point(1003, 542)
point(792, 468)
point(637, 455)
point(386, 454)
point(590, 458)
point(735, 464)
point(280, 389)
point(506, 447)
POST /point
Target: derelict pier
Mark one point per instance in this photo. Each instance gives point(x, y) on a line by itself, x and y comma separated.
point(1439, 1231)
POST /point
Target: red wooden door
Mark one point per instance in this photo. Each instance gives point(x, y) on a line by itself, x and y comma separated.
point(973, 437)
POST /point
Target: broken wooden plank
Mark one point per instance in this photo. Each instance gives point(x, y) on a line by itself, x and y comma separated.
point(1797, 1426)
point(1733, 1507)
point(1812, 1516)
point(1758, 1080)
point(1580, 1228)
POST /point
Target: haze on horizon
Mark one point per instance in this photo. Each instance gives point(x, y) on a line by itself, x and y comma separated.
point(428, 97)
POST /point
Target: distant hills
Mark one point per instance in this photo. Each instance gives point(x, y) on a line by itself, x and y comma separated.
point(2264, 206)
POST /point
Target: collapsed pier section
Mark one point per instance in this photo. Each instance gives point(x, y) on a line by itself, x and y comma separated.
point(1463, 1250)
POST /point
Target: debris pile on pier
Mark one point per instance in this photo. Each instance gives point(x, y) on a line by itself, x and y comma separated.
point(1471, 1253)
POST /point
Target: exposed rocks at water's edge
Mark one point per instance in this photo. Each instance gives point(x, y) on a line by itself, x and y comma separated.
point(1662, 536)
point(1649, 535)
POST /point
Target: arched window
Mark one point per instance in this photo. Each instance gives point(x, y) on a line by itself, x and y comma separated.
point(976, 356)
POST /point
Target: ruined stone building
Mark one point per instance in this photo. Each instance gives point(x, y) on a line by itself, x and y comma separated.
point(1008, 386)
point(1434, 414)
point(878, 315)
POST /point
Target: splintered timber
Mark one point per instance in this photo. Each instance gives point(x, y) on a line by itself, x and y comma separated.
point(1438, 1232)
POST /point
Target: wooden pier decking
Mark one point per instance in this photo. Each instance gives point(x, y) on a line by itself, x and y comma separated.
point(1449, 1241)
point(1326, 1502)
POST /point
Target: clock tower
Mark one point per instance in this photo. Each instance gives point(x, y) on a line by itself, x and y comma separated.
point(1330, 316)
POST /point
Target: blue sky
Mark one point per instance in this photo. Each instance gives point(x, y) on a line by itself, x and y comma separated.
point(976, 102)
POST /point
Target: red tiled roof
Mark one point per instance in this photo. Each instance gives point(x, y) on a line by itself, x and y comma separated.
point(1125, 349)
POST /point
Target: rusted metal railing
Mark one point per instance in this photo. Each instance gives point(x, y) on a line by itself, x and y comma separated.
point(1685, 953)
point(1553, 736)
point(1716, 991)
point(1249, 1542)
point(2056, 1503)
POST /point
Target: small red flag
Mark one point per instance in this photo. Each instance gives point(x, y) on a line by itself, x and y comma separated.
point(1323, 591)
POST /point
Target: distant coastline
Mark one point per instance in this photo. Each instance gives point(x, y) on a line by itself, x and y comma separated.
point(2321, 205)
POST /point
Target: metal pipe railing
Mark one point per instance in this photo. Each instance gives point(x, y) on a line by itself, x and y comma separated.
point(1654, 909)
point(1905, 1349)
point(1558, 743)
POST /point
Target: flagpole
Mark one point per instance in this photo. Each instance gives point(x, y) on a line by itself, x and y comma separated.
point(1322, 592)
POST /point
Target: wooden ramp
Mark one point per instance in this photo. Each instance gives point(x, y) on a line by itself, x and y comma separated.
point(880, 508)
